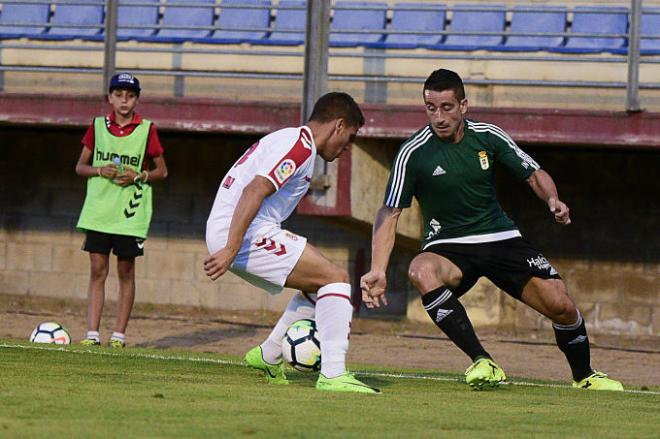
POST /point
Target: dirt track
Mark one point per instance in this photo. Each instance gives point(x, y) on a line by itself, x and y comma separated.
point(634, 361)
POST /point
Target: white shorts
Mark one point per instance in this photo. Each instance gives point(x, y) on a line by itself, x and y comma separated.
point(266, 257)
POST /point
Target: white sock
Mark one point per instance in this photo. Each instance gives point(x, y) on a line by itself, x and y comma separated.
point(334, 312)
point(117, 336)
point(299, 307)
point(93, 335)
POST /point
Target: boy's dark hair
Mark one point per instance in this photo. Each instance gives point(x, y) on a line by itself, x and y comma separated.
point(443, 79)
point(335, 105)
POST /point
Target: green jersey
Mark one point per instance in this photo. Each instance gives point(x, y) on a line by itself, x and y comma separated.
point(110, 208)
point(455, 183)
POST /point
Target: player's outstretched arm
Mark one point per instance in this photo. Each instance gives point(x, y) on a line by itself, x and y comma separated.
point(246, 209)
point(544, 187)
point(374, 282)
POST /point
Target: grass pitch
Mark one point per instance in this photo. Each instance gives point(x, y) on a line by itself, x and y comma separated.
point(78, 392)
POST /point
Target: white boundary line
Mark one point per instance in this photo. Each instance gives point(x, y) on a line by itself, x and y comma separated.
point(240, 363)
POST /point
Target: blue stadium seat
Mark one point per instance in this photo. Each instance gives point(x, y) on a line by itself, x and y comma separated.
point(368, 16)
point(76, 14)
point(532, 19)
point(289, 19)
point(597, 20)
point(242, 18)
point(650, 26)
point(185, 16)
point(15, 14)
point(406, 18)
point(475, 18)
point(133, 15)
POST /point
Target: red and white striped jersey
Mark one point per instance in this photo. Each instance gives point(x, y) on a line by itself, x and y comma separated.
point(286, 158)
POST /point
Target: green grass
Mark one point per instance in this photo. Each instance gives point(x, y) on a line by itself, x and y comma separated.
point(154, 393)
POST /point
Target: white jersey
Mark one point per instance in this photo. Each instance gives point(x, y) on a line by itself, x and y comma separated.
point(286, 158)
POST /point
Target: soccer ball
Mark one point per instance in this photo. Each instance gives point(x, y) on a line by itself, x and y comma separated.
point(50, 332)
point(301, 347)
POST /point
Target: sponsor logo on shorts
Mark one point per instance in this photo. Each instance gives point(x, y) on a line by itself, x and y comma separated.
point(541, 263)
point(140, 243)
point(291, 236)
point(284, 170)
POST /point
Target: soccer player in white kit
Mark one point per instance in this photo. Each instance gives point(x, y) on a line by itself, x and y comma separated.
point(244, 236)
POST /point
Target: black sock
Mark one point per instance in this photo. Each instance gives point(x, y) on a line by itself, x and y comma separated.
point(450, 316)
point(574, 343)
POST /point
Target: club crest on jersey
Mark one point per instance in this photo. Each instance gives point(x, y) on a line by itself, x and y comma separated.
point(284, 170)
point(483, 160)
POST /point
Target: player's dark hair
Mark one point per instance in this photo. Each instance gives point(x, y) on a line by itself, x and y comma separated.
point(443, 79)
point(336, 105)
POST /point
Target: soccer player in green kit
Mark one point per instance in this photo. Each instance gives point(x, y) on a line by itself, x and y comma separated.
point(120, 158)
point(448, 166)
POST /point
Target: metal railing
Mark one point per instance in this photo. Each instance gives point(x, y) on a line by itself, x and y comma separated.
point(316, 52)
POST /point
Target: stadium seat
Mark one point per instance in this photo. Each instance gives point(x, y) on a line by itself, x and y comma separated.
point(367, 16)
point(475, 18)
point(405, 17)
point(134, 15)
point(185, 16)
point(14, 14)
point(532, 19)
point(76, 14)
point(242, 18)
point(597, 20)
point(289, 19)
point(650, 26)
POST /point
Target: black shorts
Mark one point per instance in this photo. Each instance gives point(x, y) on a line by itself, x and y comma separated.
point(509, 264)
point(125, 247)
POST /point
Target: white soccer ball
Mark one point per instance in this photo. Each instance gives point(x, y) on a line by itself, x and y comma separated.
point(301, 347)
point(50, 332)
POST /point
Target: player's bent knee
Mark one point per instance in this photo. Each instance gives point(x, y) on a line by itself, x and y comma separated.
point(426, 275)
point(563, 310)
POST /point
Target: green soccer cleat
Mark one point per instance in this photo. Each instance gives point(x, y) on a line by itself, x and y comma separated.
point(484, 373)
point(274, 372)
point(598, 381)
point(344, 383)
point(114, 343)
point(90, 342)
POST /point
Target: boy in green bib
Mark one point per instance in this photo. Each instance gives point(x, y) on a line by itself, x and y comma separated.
point(115, 159)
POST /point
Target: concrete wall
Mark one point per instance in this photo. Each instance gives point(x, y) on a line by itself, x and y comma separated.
point(609, 256)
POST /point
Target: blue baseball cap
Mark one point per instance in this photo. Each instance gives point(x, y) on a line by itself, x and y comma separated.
point(125, 81)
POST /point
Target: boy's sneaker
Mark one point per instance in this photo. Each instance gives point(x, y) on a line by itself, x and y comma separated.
point(274, 372)
point(344, 383)
point(484, 373)
point(90, 342)
point(114, 343)
point(598, 381)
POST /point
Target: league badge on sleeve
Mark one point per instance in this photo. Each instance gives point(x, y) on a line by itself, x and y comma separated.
point(284, 170)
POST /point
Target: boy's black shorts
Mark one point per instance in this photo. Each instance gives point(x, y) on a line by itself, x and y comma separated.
point(125, 247)
point(509, 264)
